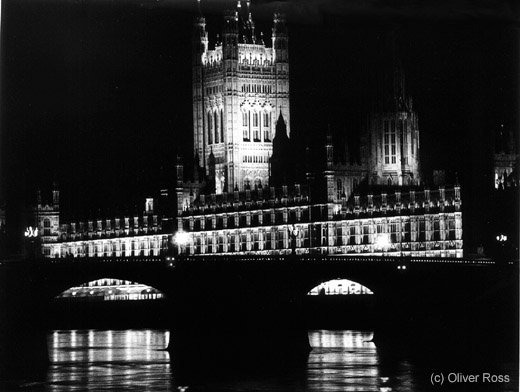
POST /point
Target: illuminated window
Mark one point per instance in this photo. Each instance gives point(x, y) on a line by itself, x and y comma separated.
point(436, 230)
point(389, 141)
point(256, 129)
point(210, 129)
point(402, 140)
point(392, 141)
point(245, 124)
point(451, 229)
point(221, 125)
point(386, 135)
point(46, 227)
point(266, 125)
point(217, 130)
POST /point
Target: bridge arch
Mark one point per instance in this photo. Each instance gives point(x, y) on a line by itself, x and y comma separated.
point(111, 289)
point(62, 275)
point(361, 278)
point(340, 287)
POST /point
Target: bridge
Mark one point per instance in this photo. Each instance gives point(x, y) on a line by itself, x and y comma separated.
point(231, 302)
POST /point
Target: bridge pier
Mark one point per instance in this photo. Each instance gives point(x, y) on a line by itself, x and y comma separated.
point(226, 314)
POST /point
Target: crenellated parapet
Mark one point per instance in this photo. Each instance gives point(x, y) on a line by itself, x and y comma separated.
point(399, 201)
point(237, 201)
point(122, 226)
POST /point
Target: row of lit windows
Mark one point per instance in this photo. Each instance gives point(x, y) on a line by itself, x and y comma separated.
point(214, 89)
point(282, 238)
point(145, 247)
point(343, 234)
point(255, 159)
point(390, 128)
point(261, 217)
point(215, 127)
point(257, 88)
point(252, 122)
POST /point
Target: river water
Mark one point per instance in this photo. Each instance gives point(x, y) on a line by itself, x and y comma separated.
point(345, 360)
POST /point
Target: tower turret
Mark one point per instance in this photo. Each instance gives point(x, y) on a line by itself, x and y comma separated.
point(280, 39)
point(393, 132)
point(199, 49)
point(55, 196)
point(329, 172)
point(179, 171)
point(230, 36)
point(238, 86)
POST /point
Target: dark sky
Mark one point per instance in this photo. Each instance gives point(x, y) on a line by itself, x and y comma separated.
point(96, 95)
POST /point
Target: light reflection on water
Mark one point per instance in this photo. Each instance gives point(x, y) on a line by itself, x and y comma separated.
point(135, 360)
point(343, 361)
point(109, 360)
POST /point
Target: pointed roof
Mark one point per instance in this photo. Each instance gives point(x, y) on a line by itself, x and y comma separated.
point(281, 128)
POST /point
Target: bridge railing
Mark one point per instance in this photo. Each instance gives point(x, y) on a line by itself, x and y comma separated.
point(106, 260)
point(337, 258)
point(172, 261)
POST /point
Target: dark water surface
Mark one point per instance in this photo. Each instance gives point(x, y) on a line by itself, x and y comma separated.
point(344, 360)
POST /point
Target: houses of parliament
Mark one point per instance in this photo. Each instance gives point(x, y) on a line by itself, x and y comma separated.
point(250, 189)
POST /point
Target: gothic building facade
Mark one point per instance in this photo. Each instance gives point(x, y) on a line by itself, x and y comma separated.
point(244, 196)
point(239, 87)
point(371, 207)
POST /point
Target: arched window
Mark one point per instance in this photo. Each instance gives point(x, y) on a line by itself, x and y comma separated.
point(245, 125)
point(46, 227)
point(266, 125)
point(210, 128)
point(217, 130)
point(258, 183)
point(256, 127)
point(221, 125)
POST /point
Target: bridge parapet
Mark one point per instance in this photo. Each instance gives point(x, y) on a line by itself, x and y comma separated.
point(340, 259)
point(105, 260)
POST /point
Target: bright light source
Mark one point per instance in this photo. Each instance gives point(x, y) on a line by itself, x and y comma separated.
point(181, 238)
point(502, 238)
point(383, 241)
point(404, 266)
point(30, 232)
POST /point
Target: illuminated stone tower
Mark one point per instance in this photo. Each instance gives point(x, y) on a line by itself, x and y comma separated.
point(393, 133)
point(239, 88)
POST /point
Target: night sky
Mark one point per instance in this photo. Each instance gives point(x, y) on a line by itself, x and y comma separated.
point(96, 95)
